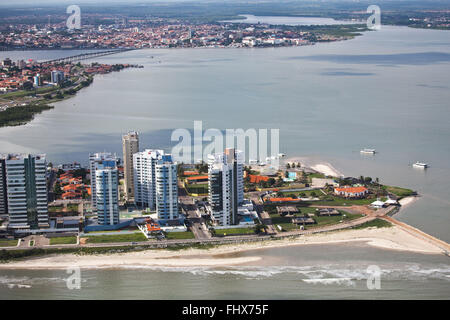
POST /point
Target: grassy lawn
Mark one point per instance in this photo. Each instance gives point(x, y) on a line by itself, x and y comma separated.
point(283, 222)
point(315, 175)
point(399, 192)
point(72, 207)
point(286, 224)
point(338, 201)
point(377, 223)
point(224, 232)
point(323, 221)
point(8, 243)
point(304, 194)
point(117, 238)
point(180, 235)
point(63, 240)
point(200, 188)
point(24, 93)
point(55, 208)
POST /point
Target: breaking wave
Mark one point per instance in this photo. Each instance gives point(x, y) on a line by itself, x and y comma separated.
point(312, 274)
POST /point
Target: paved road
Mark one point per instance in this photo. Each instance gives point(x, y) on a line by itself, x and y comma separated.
point(197, 223)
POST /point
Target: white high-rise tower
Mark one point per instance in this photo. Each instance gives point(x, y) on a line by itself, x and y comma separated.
point(226, 185)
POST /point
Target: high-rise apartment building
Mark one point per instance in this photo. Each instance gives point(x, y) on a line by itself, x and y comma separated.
point(107, 194)
point(226, 185)
point(166, 189)
point(130, 145)
point(106, 160)
point(57, 76)
point(155, 181)
point(26, 184)
point(3, 194)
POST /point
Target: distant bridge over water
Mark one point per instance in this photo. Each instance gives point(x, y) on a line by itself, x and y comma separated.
point(84, 56)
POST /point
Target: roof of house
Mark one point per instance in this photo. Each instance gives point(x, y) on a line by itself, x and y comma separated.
point(197, 178)
point(351, 189)
point(257, 179)
point(283, 199)
point(190, 173)
point(70, 187)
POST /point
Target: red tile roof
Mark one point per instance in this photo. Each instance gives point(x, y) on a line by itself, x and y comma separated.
point(257, 179)
point(197, 178)
point(285, 199)
point(351, 189)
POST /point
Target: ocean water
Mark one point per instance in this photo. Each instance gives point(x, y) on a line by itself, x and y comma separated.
point(388, 90)
point(302, 272)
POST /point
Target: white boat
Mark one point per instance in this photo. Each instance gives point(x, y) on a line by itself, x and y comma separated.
point(420, 165)
point(281, 155)
point(368, 151)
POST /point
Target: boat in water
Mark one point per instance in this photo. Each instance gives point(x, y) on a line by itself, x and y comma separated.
point(420, 165)
point(368, 151)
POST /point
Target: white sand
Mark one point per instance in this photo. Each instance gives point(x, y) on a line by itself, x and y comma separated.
point(319, 166)
point(407, 201)
point(389, 238)
point(326, 169)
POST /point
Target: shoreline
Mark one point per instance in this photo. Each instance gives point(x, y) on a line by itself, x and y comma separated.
point(392, 238)
point(320, 166)
point(406, 201)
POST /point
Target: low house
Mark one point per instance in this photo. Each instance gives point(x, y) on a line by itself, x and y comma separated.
point(303, 220)
point(287, 210)
point(284, 199)
point(257, 179)
point(378, 204)
point(197, 179)
point(391, 202)
point(351, 192)
point(328, 212)
point(190, 173)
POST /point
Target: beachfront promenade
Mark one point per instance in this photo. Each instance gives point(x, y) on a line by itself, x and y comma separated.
point(370, 215)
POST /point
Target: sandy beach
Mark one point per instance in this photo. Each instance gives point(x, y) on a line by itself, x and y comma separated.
point(408, 200)
point(392, 238)
point(326, 169)
point(320, 166)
